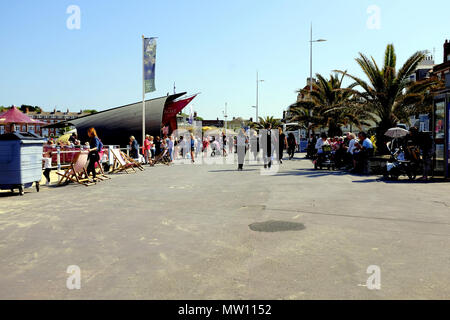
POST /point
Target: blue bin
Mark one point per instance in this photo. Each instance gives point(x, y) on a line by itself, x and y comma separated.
point(303, 145)
point(20, 160)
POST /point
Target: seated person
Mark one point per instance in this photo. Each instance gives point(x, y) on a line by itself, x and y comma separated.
point(365, 148)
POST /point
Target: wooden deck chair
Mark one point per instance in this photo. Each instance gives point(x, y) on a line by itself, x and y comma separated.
point(120, 164)
point(76, 172)
point(100, 173)
point(134, 162)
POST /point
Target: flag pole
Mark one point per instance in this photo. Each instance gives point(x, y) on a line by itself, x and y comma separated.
point(143, 92)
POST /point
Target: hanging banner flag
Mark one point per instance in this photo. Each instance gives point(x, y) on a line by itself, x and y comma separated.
point(149, 64)
point(191, 115)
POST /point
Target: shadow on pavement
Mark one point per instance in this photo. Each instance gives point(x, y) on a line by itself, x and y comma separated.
point(231, 170)
point(312, 173)
point(400, 181)
point(5, 194)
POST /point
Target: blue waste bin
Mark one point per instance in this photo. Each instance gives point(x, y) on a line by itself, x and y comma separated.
point(20, 160)
point(303, 145)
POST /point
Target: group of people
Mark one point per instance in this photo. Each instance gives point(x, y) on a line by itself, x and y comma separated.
point(94, 146)
point(155, 147)
point(353, 152)
point(348, 153)
point(268, 143)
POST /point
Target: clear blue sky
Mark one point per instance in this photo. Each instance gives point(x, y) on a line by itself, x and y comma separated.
point(208, 46)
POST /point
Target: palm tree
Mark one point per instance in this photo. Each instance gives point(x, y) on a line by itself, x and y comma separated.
point(302, 112)
point(331, 106)
point(389, 93)
point(264, 122)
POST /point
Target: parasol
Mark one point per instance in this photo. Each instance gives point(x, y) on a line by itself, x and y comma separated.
point(396, 132)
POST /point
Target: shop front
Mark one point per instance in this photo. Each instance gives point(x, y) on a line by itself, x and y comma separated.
point(441, 133)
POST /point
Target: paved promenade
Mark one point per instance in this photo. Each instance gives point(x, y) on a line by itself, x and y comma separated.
point(210, 232)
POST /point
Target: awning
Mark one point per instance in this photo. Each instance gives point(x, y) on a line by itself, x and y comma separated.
point(15, 116)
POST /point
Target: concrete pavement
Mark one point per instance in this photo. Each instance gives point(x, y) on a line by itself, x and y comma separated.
point(210, 232)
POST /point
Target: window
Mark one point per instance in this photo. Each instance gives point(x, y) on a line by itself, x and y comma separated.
point(2, 129)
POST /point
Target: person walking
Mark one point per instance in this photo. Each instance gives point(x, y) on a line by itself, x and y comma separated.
point(291, 143)
point(266, 140)
point(192, 148)
point(170, 147)
point(241, 146)
point(147, 152)
point(282, 143)
point(95, 146)
point(205, 147)
point(47, 166)
point(224, 144)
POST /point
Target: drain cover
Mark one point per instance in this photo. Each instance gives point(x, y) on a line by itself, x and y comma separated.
point(276, 226)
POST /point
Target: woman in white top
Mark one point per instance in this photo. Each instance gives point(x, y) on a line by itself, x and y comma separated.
point(323, 141)
point(352, 148)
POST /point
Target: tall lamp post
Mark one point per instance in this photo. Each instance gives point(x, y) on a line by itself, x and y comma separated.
point(257, 95)
point(225, 115)
point(311, 41)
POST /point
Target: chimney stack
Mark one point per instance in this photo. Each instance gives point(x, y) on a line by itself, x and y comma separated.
point(446, 51)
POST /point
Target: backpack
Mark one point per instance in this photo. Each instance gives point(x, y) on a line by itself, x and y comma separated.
point(100, 145)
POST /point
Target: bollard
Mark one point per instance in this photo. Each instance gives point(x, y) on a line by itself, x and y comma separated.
point(58, 161)
point(110, 155)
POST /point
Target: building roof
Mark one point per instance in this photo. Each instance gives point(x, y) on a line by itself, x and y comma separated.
point(115, 126)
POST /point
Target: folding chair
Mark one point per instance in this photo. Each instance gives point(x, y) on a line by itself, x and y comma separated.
point(100, 173)
point(163, 158)
point(76, 172)
point(120, 164)
point(134, 162)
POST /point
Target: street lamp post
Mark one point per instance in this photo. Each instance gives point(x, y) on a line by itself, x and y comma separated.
point(225, 115)
point(257, 95)
point(311, 58)
point(311, 41)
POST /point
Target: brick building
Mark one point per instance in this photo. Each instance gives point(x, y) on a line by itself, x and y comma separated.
point(46, 117)
point(54, 116)
point(442, 71)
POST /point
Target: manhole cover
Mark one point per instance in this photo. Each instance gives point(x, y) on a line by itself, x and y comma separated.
point(276, 226)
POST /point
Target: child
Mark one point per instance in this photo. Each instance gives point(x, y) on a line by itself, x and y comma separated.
point(47, 166)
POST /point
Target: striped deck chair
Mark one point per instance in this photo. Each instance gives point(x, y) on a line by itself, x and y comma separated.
point(120, 163)
point(100, 173)
point(76, 172)
point(135, 163)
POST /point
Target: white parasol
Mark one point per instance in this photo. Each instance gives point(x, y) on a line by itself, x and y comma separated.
point(396, 132)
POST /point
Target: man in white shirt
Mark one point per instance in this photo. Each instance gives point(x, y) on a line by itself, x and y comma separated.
point(365, 147)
